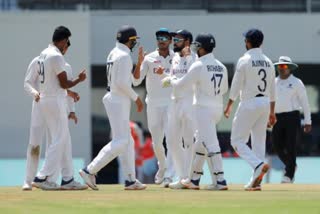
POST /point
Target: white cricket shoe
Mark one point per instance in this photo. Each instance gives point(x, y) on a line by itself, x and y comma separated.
point(158, 179)
point(286, 180)
point(220, 185)
point(46, 185)
point(177, 185)
point(135, 185)
point(189, 184)
point(89, 179)
point(73, 185)
point(27, 186)
point(166, 182)
point(250, 188)
point(258, 175)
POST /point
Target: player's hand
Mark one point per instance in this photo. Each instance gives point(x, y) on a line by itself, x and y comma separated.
point(141, 55)
point(82, 76)
point(166, 82)
point(227, 111)
point(307, 128)
point(73, 116)
point(186, 51)
point(37, 97)
point(139, 104)
point(74, 95)
point(160, 70)
point(272, 120)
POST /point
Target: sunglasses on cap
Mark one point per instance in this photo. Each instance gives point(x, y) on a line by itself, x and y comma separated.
point(162, 39)
point(195, 46)
point(283, 66)
point(176, 40)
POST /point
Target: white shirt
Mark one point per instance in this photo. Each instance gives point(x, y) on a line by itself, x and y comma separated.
point(70, 100)
point(51, 63)
point(291, 95)
point(31, 82)
point(254, 75)
point(179, 68)
point(119, 72)
point(209, 77)
point(156, 94)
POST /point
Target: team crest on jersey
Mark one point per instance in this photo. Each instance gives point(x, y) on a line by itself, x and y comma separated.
point(185, 63)
point(157, 61)
point(290, 85)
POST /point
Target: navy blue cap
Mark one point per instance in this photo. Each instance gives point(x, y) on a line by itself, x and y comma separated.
point(184, 33)
point(255, 36)
point(164, 31)
point(125, 33)
point(206, 41)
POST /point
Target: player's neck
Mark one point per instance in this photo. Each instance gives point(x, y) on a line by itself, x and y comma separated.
point(284, 77)
point(164, 53)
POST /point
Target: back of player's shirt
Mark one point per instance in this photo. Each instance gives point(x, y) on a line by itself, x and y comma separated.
point(212, 83)
point(254, 76)
point(119, 67)
point(31, 83)
point(51, 63)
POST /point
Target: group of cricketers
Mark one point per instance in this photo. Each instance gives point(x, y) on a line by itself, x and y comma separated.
point(185, 88)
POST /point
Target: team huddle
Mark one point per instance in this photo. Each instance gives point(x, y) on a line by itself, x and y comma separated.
point(185, 88)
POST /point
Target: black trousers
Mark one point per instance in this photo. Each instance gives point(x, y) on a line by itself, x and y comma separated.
point(285, 135)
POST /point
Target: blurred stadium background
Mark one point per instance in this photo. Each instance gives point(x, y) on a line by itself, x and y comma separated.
point(291, 27)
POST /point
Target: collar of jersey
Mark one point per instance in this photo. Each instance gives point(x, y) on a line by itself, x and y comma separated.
point(122, 47)
point(54, 47)
point(254, 51)
point(209, 55)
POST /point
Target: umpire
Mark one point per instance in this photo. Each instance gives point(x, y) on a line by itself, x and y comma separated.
point(290, 97)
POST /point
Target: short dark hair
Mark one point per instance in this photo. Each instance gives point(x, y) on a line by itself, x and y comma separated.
point(254, 36)
point(61, 33)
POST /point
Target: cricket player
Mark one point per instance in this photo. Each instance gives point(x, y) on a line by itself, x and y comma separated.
point(117, 103)
point(52, 105)
point(38, 129)
point(209, 78)
point(180, 119)
point(158, 100)
point(291, 96)
point(254, 80)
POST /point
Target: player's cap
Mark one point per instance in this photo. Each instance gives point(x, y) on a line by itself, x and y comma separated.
point(184, 33)
point(126, 33)
point(60, 33)
point(285, 62)
point(205, 41)
point(255, 36)
point(164, 31)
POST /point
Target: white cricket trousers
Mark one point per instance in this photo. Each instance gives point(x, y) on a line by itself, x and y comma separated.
point(181, 134)
point(122, 143)
point(37, 130)
point(207, 144)
point(158, 126)
point(251, 118)
point(54, 112)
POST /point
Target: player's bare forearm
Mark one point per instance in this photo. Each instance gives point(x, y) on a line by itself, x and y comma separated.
point(136, 73)
point(228, 108)
point(272, 106)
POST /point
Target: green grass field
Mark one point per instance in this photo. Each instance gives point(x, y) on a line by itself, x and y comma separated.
point(285, 198)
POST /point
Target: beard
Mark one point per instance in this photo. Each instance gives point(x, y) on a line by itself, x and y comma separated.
point(177, 49)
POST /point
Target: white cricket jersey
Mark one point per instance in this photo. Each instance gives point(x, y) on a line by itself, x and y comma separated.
point(119, 72)
point(31, 82)
point(156, 94)
point(179, 68)
point(70, 100)
point(254, 76)
point(291, 95)
point(209, 77)
point(51, 64)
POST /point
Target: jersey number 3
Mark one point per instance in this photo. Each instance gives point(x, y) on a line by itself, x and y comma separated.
point(262, 73)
